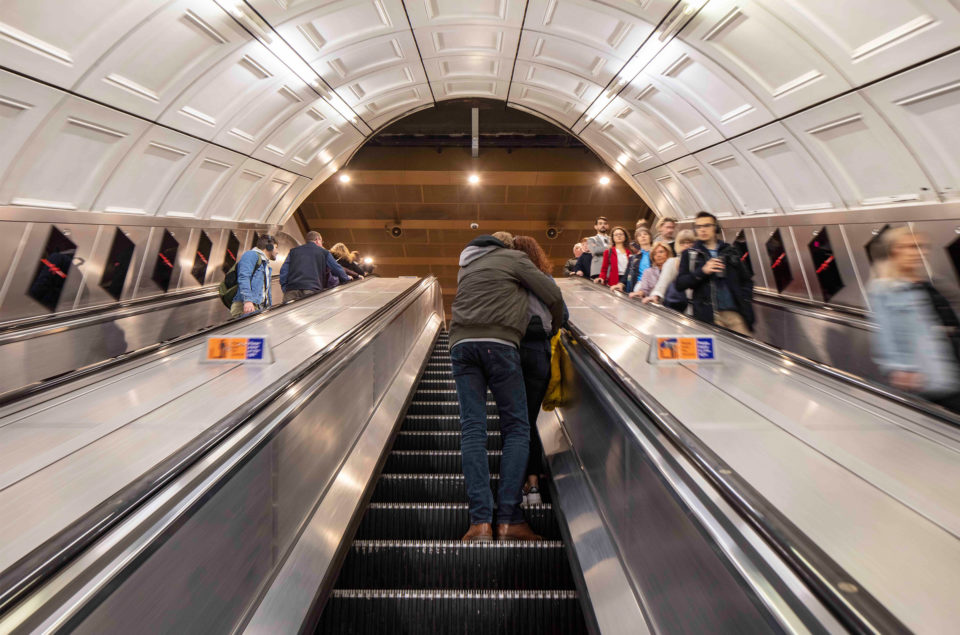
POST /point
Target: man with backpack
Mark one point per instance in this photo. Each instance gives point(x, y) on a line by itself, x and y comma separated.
point(306, 267)
point(251, 290)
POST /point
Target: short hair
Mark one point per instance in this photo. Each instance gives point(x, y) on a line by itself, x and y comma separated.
point(505, 237)
point(312, 236)
point(641, 223)
point(685, 235)
point(643, 230)
point(706, 215)
point(661, 245)
point(600, 218)
point(266, 240)
point(663, 221)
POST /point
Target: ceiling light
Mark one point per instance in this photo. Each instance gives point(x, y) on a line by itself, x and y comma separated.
point(604, 180)
point(344, 178)
point(474, 179)
point(368, 260)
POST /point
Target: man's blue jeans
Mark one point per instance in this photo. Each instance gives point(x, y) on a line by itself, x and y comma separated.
point(477, 365)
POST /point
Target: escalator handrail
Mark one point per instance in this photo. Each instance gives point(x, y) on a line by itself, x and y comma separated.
point(853, 605)
point(38, 565)
point(780, 355)
point(847, 316)
point(165, 347)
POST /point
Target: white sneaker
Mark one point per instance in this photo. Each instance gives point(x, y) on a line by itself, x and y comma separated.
point(532, 497)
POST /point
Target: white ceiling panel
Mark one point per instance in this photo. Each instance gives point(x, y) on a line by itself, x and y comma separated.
point(238, 190)
point(248, 128)
point(334, 150)
point(765, 54)
point(373, 85)
point(226, 89)
point(312, 149)
point(352, 62)
point(649, 95)
point(739, 180)
point(266, 197)
point(200, 182)
point(592, 24)
point(785, 165)
point(58, 41)
point(924, 105)
point(866, 39)
point(464, 88)
point(655, 197)
point(699, 182)
point(160, 58)
point(566, 84)
point(24, 104)
point(616, 153)
point(334, 25)
point(715, 93)
point(67, 161)
point(674, 191)
point(866, 160)
point(279, 212)
point(148, 172)
point(504, 13)
point(280, 144)
point(649, 131)
point(488, 41)
point(385, 106)
point(580, 59)
point(468, 67)
point(565, 111)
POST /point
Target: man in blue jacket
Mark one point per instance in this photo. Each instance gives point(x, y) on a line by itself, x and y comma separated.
point(305, 269)
point(253, 278)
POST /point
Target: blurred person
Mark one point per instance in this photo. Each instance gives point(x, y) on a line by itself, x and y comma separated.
point(722, 285)
point(642, 223)
point(570, 266)
point(640, 259)
point(613, 270)
point(345, 259)
point(490, 317)
point(917, 338)
point(598, 244)
point(667, 231)
point(585, 261)
point(535, 364)
point(665, 292)
point(253, 278)
point(660, 253)
point(306, 267)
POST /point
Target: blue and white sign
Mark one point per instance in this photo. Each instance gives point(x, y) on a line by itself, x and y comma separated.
point(676, 349)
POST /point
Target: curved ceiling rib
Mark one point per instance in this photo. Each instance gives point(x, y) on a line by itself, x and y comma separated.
point(234, 109)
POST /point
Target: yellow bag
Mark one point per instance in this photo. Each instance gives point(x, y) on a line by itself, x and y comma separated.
point(559, 390)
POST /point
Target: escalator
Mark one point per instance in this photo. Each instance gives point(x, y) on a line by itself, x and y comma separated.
point(407, 570)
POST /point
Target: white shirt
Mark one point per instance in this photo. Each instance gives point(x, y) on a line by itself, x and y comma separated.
point(622, 259)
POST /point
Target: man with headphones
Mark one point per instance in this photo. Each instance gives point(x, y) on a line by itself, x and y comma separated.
point(253, 278)
point(722, 285)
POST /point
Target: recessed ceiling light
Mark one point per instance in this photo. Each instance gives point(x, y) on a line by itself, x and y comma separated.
point(368, 260)
point(474, 179)
point(344, 178)
point(604, 180)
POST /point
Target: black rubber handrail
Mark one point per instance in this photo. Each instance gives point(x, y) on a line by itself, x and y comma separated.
point(901, 398)
point(159, 348)
point(51, 556)
point(857, 609)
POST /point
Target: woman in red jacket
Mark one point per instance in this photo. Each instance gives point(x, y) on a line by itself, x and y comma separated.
point(613, 270)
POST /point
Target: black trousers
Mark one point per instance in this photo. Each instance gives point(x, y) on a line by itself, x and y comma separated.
point(535, 363)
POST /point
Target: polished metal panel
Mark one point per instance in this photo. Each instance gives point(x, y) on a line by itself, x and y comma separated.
point(260, 486)
point(798, 286)
point(943, 273)
point(854, 471)
point(851, 293)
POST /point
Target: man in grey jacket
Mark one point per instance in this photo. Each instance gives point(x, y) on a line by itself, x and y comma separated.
point(598, 244)
point(490, 316)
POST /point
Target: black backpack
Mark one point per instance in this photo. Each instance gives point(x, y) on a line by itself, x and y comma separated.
point(229, 287)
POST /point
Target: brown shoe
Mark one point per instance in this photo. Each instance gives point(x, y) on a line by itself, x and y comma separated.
point(482, 532)
point(517, 531)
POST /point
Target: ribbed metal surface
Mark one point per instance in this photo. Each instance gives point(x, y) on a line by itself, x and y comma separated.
point(407, 570)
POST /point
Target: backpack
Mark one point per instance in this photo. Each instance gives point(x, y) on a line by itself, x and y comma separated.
point(230, 285)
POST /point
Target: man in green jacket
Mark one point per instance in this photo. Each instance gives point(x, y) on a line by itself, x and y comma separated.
point(489, 319)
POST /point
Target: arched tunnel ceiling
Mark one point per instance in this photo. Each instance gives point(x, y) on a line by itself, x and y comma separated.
point(235, 110)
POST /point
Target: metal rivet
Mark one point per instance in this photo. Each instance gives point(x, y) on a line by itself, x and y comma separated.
point(67, 232)
point(875, 231)
point(847, 587)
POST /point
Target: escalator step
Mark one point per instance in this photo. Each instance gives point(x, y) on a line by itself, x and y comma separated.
point(424, 488)
point(442, 407)
point(452, 564)
point(442, 423)
point(452, 611)
point(438, 521)
point(412, 440)
point(435, 395)
point(433, 461)
point(438, 383)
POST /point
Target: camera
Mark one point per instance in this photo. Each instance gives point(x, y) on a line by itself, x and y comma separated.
point(552, 232)
point(396, 231)
point(474, 225)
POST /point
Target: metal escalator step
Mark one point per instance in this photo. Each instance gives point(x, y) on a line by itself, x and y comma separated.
point(438, 521)
point(452, 611)
point(452, 564)
point(438, 383)
point(433, 461)
point(442, 407)
point(424, 488)
point(417, 440)
point(426, 394)
point(442, 423)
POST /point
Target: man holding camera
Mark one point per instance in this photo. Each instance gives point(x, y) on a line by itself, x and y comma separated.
point(722, 285)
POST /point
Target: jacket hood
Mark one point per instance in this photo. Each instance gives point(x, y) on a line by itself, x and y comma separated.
point(479, 246)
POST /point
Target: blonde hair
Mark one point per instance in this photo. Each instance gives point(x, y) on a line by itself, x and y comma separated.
point(685, 235)
point(661, 245)
point(505, 237)
point(882, 267)
point(663, 221)
point(340, 251)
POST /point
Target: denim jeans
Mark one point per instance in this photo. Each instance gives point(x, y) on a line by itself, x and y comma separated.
point(535, 362)
point(476, 366)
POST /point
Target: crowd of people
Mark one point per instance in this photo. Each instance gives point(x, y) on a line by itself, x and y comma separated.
point(307, 269)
